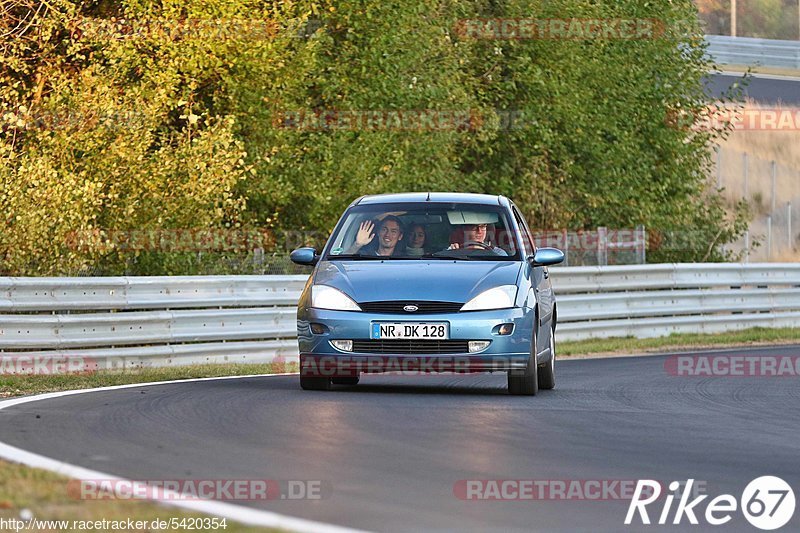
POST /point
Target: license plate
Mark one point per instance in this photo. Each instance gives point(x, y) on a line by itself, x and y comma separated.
point(410, 330)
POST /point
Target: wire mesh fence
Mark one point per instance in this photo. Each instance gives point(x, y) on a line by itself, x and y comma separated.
point(601, 246)
point(772, 190)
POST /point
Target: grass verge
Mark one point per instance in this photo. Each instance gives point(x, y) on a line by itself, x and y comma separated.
point(679, 342)
point(761, 69)
point(45, 496)
point(20, 385)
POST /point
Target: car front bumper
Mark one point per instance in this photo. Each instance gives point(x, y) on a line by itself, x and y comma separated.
point(505, 352)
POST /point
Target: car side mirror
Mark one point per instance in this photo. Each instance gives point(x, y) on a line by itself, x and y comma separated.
point(546, 257)
point(304, 256)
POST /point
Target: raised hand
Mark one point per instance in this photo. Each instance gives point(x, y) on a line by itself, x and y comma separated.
point(365, 234)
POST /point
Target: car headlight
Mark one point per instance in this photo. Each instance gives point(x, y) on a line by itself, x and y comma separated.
point(325, 297)
point(501, 297)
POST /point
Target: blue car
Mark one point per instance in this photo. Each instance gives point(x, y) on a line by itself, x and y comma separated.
point(428, 282)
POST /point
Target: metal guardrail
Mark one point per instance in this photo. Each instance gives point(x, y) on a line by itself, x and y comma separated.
point(657, 300)
point(750, 51)
point(150, 321)
point(166, 321)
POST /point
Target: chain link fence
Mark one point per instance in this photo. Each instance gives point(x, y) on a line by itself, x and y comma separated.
point(602, 246)
point(773, 192)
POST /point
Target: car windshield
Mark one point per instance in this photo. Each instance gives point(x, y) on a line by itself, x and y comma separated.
point(446, 231)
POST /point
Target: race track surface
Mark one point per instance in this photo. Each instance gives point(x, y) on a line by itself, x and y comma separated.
point(764, 90)
point(391, 449)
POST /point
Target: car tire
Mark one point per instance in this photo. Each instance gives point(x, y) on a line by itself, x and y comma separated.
point(315, 383)
point(547, 371)
point(345, 381)
point(525, 382)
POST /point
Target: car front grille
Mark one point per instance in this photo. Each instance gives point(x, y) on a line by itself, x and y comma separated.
point(396, 307)
point(410, 346)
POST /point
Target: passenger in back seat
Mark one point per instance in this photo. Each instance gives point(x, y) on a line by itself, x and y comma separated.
point(417, 235)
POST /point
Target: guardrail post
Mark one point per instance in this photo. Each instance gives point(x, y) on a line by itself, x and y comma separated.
point(747, 245)
point(602, 246)
point(774, 172)
point(789, 236)
point(746, 185)
point(641, 244)
point(769, 236)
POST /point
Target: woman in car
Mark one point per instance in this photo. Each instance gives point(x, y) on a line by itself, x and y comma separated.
point(417, 235)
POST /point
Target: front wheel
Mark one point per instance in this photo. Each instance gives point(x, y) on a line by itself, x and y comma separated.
point(525, 382)
point(547, 372)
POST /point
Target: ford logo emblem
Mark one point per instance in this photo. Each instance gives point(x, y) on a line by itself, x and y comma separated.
point(410, 308)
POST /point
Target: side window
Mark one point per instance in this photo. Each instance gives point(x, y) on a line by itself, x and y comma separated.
point(347, 234)
point(527, 242)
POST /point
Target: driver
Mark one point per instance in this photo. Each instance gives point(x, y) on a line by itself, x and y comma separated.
point(474, 238)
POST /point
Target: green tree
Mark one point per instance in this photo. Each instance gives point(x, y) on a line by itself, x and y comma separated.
point(151, 115)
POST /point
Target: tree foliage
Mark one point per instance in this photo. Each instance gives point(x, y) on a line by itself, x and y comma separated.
point(143, 114)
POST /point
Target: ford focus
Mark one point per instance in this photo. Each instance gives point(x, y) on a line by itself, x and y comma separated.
point(425, 283)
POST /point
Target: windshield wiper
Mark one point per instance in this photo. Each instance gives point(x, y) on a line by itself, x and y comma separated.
point(355, 257)
point(437, 255)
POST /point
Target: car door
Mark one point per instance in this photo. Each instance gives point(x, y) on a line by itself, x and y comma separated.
point(540, 282)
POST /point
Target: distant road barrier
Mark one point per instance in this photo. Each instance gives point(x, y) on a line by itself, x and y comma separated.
point(748, 51)
point(657, 300)
point(150, 321)
point(167, 321)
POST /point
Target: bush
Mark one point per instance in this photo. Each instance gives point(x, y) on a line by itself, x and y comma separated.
point(224, 115)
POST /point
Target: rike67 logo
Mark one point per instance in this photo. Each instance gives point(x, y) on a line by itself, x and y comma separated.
point(767, 503)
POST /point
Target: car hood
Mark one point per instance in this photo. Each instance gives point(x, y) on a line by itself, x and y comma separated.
point(435, 280)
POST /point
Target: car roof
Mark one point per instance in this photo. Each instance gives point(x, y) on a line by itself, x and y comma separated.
point(464, 197)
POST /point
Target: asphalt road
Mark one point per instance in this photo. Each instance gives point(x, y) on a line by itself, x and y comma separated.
point(391, 449)
point(764, 90)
